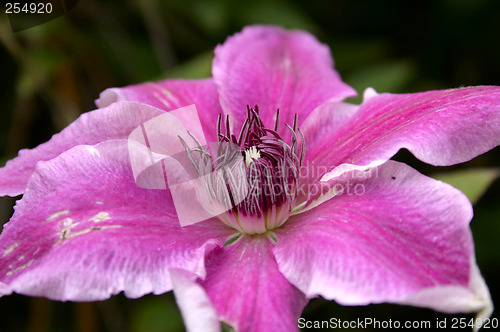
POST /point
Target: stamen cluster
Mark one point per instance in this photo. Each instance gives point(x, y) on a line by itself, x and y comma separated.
point(256, 173)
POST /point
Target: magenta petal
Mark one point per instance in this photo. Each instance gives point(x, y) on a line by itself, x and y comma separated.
point(248, 291)
point(113, 122)
point(197, 311)
point(452, 299)
point(169, 95)
point(439, 127)
point(84, 231)
point(395, 236)
point(275, 69)
point(325, 120)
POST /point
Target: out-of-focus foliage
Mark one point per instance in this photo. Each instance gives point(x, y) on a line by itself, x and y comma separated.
point(52, 73)
point(156, 314)
point(472, 182)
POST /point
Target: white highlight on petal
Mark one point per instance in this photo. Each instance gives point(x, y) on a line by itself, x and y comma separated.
point(10, 248)
point(21, 267)
point(68, 222)
point(334, 191)
point(66, 233)
point(57, 214)
point(101, 216)
point(165, 94)
point(162, 100)
point(85, 231)
point(369, 93)
point(344, 168)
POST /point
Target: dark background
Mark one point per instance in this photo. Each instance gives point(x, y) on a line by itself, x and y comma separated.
point(52, 73)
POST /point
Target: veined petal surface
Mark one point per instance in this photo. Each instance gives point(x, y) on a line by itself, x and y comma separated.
point(113, 122)
point(84, 231)
point(439, 127)
point(385, 238)
point(248, 291)
point(275, 69)
point(172, 94)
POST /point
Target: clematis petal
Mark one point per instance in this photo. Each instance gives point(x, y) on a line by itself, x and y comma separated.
point(248, 291)
point(453, 299)
point(325, 120)
point(4, 289)
point(439, 127)
point(275, 69)
point(84, 231)
point(113, 122)
point(322, 123)
point(196, 308)
point(395, 236)
point(172, 94)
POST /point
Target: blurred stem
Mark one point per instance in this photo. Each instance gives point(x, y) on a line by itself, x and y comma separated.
point(40, 314)
point(87, 317)
point(112, 315)
point(157, 32)
point(6, 37)
point(22, 119)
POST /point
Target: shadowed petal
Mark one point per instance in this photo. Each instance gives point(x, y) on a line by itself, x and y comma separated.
point(113, 122)
point(385, 238)
point(197, 311)
point(439, 127)
point(275, 69)
point(172, 94)
point(84, 231)
point(248, 291)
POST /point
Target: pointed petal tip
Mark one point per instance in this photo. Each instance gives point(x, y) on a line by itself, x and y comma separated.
point(369, 93)
point(113, 122)
point(86, 244)
point(107, 97)
point(345, 242)
point(290, 70)
point(428, 124)
point(475, 298)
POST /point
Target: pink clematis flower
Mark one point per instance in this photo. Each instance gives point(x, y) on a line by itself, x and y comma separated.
point(349, 224)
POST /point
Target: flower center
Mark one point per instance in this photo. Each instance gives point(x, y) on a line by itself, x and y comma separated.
point(251, 155)
point(259, 196)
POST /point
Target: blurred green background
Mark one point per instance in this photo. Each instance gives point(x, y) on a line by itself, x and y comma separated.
point(53, 72)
